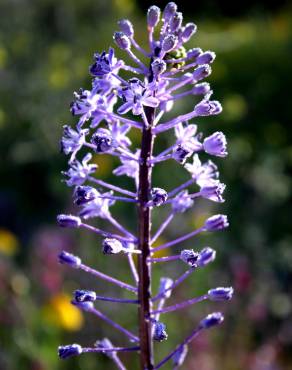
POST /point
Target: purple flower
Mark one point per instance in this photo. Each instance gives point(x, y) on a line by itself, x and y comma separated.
point(103, 109)
point(84, 194)
point(169, 11)
point(86, 306)
point(79, 172)
point(204, 174)
point(175, 21)
point(105, 64)
point(206, 58)
point(169, 42)
point(153, 16)
point(84, 296)
point(136, 96)
point(193, 53)
point(72, 141)
point(126, 27)
point(158, 66)
point(68, 221)
point(216, 144)
point(213, 319)
point(86, 102)
point(201, 72)
point(213, 191)
point(181, 153)
point(220, 294)
point(122, 40)
point(216, 222)
point(159, 196)
point(202, 88)
point(186, 137)
point(159, 332)
point(69, 350)
point(112, 246)
point(189, 256)
point(102, 140)
point(208, 108)
point(69, 259)
point(188, 31)
point(129, 167)
point(98, 207)
point(206, 256)
point(182, 202)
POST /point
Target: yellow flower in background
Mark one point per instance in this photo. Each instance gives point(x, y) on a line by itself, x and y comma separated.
point(60, 312)
point(9, 244)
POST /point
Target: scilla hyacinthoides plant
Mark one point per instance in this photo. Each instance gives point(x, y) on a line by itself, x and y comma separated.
point(157, 77)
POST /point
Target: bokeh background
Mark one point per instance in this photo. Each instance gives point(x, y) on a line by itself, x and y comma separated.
point(46, 47)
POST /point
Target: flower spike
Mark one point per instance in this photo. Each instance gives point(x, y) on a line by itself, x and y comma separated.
point(135, 94)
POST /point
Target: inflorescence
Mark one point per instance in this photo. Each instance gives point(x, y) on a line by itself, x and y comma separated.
point(161, 76)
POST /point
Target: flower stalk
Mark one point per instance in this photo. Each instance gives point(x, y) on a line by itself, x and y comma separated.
point(102, 129)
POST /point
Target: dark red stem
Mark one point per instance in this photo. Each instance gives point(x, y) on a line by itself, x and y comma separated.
point(144, 267)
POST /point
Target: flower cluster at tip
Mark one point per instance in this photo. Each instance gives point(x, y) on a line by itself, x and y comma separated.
point(106, 112)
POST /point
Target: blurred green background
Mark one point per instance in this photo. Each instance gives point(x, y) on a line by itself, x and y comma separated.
point(46, 47)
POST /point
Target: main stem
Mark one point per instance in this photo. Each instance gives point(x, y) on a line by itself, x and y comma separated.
point(144, 288)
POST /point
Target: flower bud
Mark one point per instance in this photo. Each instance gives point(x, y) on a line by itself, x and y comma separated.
point(112, 246)
point(193, 53)
point(69, 350)
point(201, 88)
point(159, 196)
point(206, 58)
point(159, 333)
point(201, 72)
point(153, 16)
point(68, 221)
point(216, 144)
point(220, 294)
point(126, 27)
point(169, 11)
point(176, 21)
point(212, 319)
point(208, 108)
point(189, 30)
point(189, 256)
point(213, 191)
point(122, 40)
point(69, 259)
point(169, 42)
point(84, 296)
point(216, 222)
point(206, 256)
